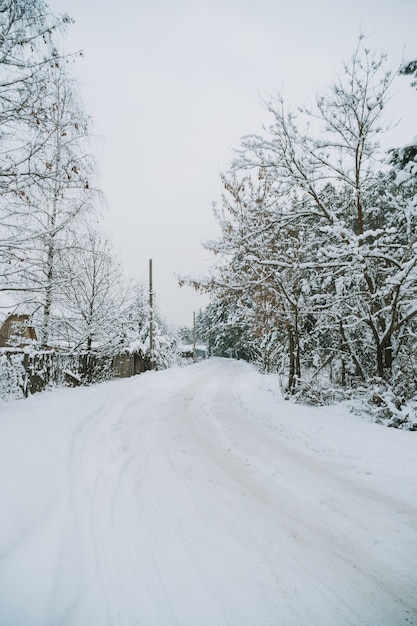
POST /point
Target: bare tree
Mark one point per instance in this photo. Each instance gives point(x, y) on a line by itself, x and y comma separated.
point(58, 195)
point(95, 301)
point(27, 32)
point(27, 51)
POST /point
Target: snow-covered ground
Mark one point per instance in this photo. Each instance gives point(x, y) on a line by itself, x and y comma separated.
point(196, 496)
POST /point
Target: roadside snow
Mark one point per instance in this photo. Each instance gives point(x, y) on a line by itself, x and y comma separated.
point(198, 497)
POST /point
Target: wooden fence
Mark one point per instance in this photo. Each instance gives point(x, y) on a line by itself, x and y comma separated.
point(24, 373)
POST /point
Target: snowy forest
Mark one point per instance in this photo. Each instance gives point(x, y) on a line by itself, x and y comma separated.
point(315, 271)
point(58, 273)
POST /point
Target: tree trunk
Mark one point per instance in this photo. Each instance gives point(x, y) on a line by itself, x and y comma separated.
point(48, 295)
point(347, 348)
point(292, 378)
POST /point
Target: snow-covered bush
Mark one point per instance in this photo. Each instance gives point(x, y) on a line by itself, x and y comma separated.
point(12, 375)
point(384, 406)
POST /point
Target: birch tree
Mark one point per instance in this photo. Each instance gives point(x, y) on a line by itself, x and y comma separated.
point(57, 199)
point(27, 45)
point(28, 35)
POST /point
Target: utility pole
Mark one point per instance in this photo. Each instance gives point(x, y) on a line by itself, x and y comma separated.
point(150, 316)
point(194, 353)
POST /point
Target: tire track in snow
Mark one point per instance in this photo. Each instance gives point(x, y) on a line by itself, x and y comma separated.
point(194, 486)
point(182, 508)
point(359, 575)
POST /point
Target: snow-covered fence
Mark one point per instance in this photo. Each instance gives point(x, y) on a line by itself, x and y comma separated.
point(129, 364)
point(24, 372)
point(12, 375)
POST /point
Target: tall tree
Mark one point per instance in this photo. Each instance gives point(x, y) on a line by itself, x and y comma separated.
point(317, 247)
point(344, 152)
point(28, 34)
point(63, 194)
point(58, 195)
point(27, 45)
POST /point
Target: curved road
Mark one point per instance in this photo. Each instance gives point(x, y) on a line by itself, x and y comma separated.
point(196, 497)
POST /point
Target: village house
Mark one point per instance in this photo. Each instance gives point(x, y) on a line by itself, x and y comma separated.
point(17, 332)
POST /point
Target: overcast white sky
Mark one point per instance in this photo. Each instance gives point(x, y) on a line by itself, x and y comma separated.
point(172, 86)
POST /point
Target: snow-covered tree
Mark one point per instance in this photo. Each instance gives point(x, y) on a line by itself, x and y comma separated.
point(369, 237)
point(27, 45)
point(317, 253)
point(27, 35)
point(135, 329)
point(404, 159)
point(64, 195)
point(41, 222)
point(94, 300)
point(220, 327)
point(135, 317)
point(165, 340)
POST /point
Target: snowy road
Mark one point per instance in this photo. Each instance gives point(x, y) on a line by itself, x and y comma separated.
point(197, 497)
